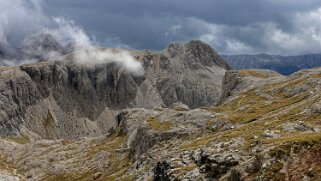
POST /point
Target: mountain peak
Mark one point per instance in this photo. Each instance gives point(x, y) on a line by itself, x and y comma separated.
point(44, 46)
point(44, 40)
point(198, 51)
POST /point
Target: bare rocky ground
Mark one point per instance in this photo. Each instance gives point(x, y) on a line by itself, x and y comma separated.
point(260, 126)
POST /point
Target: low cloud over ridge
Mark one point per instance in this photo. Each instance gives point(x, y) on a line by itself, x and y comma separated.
point(25, 28)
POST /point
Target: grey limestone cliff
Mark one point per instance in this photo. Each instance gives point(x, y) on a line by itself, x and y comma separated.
point(62, 99)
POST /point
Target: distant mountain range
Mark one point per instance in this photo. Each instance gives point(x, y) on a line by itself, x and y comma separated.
point(283, 64)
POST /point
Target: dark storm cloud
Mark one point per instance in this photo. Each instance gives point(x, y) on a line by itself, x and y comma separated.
point(230, 26)
point(215, 11)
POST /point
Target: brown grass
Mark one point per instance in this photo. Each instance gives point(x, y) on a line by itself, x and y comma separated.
point(156, 125)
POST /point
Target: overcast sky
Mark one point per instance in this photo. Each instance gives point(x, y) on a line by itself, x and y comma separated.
point(287, 27)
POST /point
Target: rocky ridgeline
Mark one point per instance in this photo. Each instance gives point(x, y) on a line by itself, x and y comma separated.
point(189, 117)
point(62, 99)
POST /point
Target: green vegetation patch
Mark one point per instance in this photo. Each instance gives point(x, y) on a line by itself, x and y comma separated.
point(257, 73)
point(198, 142)
point(22, 139)
point(248, 106)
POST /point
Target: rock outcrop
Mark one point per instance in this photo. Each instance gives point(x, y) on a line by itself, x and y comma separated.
point(236, 81)
point(191, 74)
point(18, 92)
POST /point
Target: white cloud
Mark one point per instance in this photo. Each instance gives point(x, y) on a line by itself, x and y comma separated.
point(218, 36)
point(19, 18)
point(13, 62)
point(173, 30)
point(123, 58)
point(25, 18)
point(68, 31)
point(264, 37)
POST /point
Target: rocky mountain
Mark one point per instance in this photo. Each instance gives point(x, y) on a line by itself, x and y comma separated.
point(43, 46)
point(35, 48)
point(72, 100)
point(188, 117)
point(285, 65)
